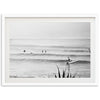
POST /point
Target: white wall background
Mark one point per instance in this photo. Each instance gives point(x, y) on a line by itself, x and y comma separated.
point(52, 7)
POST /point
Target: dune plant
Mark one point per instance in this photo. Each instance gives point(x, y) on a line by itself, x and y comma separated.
point(64, 73)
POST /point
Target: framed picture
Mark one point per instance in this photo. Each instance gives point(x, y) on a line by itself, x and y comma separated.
point(55, 50)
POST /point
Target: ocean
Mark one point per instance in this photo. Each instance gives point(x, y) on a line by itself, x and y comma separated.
point(39, 58)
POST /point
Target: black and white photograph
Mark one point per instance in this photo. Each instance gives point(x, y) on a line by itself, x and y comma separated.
point(49, 49)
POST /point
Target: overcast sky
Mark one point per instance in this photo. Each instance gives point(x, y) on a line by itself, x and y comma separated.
point(30, 30)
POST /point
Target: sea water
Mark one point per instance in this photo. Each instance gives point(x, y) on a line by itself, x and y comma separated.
point(35, 58)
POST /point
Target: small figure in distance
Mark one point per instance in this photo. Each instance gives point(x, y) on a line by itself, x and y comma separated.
point(45, 51)
point(42, 51)
point(24, 51)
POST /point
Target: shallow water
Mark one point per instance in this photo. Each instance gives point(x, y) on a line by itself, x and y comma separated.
point(35, 61)
point(46, 68)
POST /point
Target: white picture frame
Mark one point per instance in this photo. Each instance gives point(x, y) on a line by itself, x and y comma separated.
point(92, 81)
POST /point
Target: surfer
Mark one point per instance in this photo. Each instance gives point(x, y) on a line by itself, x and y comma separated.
point(68, 60)
point(24, 51)
point(45, 51)
point(42, 51)
point(68, 63)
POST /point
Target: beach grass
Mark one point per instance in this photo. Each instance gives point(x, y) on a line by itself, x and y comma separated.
point(65, 73)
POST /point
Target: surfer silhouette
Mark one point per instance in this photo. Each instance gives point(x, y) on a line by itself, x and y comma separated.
point(68, 60)
point(42, 51)
point(24, 51)
point(68, 63)
point(45, 51)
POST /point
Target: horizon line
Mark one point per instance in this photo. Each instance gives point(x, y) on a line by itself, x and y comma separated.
point(47, 38)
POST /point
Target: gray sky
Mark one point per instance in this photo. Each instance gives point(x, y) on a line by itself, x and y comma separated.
point(30, 30)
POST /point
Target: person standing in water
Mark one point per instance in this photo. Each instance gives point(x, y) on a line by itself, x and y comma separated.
point(68, 63)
